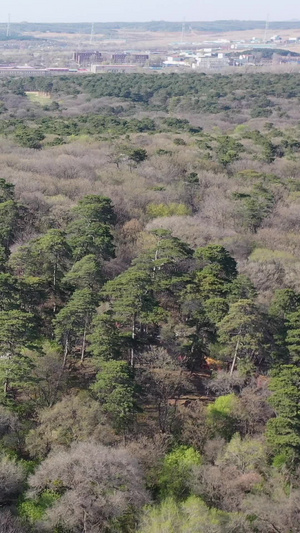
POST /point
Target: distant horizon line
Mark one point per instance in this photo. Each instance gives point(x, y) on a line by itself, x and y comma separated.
point(148, 21)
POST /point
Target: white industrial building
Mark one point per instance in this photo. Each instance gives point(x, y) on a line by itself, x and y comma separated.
point(211, 61)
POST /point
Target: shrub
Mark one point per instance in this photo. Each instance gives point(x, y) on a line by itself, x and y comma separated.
point(193, 515)
point(221, 416)
point(177, 470)
point(264, 255)
point(168, 210)
point(179, 142)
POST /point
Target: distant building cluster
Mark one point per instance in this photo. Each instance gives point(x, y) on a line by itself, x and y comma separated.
point(206, 59)
point(87, 57)
point(94, 57)
point(207, 55)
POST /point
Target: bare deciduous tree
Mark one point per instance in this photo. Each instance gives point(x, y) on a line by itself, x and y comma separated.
point(164, 381)
point(97, 484)
point(74, 418)
point(12, 477)
point(10, 524)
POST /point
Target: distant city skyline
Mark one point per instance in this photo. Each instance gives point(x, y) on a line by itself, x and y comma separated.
point(146, 10)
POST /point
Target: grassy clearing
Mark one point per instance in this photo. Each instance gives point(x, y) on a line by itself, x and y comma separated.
point(39, 98)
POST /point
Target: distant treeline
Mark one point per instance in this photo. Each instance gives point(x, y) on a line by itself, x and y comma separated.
point(100, 27)
point(266, 53)
point(16, 37)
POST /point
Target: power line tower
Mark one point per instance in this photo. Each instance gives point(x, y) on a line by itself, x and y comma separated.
point(183, 32)
point(267, 29)
point(8, 27)
point(92, 33)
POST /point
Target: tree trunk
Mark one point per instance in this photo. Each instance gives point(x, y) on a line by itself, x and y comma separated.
point(54, 286)
point(154, 268)
point(291, 507)
point(132, 357)
point(163, 411)
point(235, 357)
point(133, 339)
point(84, 341)
point(66, 351)
point(84, 521)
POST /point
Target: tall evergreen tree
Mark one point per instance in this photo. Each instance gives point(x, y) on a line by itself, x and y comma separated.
point(283, 432)
point(90, 231)
point(214, 254)
point(85, 273)
point(134, 305)
point(106, 341)
point(73, 321)
point(166, 261)
point(243, 335)
point(293, 336)
point(9, 214)
point(16, 332)
point(284, 311)
point(48, 258)
point(115, 388)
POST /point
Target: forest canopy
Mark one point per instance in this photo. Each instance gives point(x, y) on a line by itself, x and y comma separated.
point(150, 303)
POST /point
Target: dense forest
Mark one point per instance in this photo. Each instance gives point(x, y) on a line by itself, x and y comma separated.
point(150, 304)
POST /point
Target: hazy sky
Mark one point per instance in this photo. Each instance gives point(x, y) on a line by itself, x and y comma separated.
point(143, 10)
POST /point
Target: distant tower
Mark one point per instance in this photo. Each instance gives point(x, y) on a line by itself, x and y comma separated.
point(92, 33)
point(267, 29)
point(183, 32)
point(8, 27)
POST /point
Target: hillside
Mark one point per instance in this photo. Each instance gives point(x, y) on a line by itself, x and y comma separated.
point(150, 303)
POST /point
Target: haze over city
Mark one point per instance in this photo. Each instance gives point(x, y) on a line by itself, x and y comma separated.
point(134, 10)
